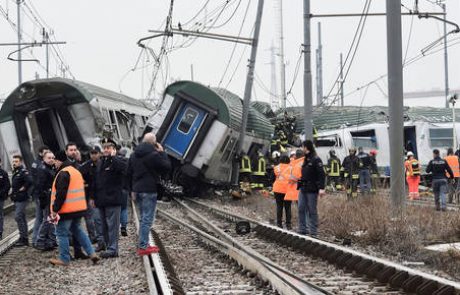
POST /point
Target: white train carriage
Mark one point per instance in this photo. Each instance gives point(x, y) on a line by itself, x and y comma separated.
point(55, 111)
point(199, 128)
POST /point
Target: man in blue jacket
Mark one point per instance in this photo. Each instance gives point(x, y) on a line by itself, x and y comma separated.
point(145, 166)
point(21, 182)
point(5, 186)
point(438, 168)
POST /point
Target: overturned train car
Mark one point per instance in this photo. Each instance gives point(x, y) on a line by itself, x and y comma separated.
point(199, 129)
point(55, 111)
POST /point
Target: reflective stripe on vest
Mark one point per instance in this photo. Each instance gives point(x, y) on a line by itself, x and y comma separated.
point(245, 165)
point(261, 170)
point(282, 172)
point(334, 168)
point(75, 200)
point(453, 164)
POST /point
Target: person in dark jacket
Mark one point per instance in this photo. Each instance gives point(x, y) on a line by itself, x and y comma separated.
point(20, 184)
point(108, 196)
point(438, 168)
point(121, 154)
point(35, 193)
point(145, 166)
point(46, 239)
point(350, 168)
point(364, 171)
point(312, 183)
point(5, 186)
point(68, 205)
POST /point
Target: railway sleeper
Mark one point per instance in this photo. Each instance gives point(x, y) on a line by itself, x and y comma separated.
point(427, 288)
point(352, 262)
point(318, 250)
point(412, 283)
point(332, 257)
point(326, 252)
point(374, 270)
point(385, 275)
point(445, 290)
point(342, 259)
point(398, 279)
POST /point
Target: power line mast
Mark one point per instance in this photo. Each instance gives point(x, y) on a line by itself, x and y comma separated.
point(274, 98)
point(319, 68)
point(395, 104)
point(18, 3)
point(446, 59)
point(281, 55)
point(341, 81)
point(307, 82)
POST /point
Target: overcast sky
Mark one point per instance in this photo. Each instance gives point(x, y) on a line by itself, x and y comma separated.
point(101, 46)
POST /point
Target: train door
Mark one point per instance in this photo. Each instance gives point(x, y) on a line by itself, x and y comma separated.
point(410, 140)
point(183, 129)
point(46, 129)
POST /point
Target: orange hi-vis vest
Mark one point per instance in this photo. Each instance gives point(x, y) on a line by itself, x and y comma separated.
point(412, 167)
point(292, 194)
point(75, 200)
point(453, 164)
point(282, 173)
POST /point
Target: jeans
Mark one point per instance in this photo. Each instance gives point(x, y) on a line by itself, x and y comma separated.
point(124, 209)
point(2, 201)
point(308, 213)
point(146, 202)
point(90, 224)
point(46, 234)
point(365, 180)
point(64, 230)
point(110, 217)
point(96, 214)
point(280, 205)
point(38, 220)
point(20, 217)
point(439, 191)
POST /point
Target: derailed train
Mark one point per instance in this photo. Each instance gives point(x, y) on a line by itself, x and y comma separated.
point(55, 111)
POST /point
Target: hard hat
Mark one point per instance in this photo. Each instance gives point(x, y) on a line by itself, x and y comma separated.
point(409, 154)
point(276, 154)
point(292, 153)
point(373, 152)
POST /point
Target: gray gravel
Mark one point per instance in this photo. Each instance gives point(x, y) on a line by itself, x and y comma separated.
point(27, 271)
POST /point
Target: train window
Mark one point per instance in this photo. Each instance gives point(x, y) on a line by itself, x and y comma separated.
point(228, 150)
point(327, 141)
point(225, 144)
point(365, 139)
point(123, 121)
point(441, 137)
point(187, 120)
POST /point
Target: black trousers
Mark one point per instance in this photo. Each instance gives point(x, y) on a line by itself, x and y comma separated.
point(280, 205)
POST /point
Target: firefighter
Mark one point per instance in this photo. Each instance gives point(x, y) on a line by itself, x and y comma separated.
point(350, 168)
point(333, 171)
point(245, 172)
point(375, 175)
point(259, 173)
point(412, 167)
point(453, 162)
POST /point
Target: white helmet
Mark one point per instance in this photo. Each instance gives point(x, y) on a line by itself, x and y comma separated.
point(276, 154)
point(410, 154)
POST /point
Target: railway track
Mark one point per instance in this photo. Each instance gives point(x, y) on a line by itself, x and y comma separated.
point(211, 269)
point(8, 242)
point(395, 276)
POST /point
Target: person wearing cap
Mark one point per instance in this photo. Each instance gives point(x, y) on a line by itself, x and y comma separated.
point(88, 170)
point(5, 186)
point(146, 165)
point(108, 196)
point(121, 154)
point(67, 207)
point(412, 167)
point(440, 171)
point(454, 164)
point(350, 169)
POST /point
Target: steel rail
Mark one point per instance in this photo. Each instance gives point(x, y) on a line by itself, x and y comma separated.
point(8, 208)
point(385, 271)
point(156, 276)
point(278, 279)
point(8, 242)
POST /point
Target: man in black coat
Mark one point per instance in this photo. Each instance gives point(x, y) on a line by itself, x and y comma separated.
point(20, 183)
point(5, 186)
point(108, 195)
point(34, 168)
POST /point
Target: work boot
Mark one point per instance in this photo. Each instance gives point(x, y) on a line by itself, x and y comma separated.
point(107, 254)
point(22, 243)
point(94, 258)
point(80, 255)
point(100, 247)
point(58, 262)
point(124, 232)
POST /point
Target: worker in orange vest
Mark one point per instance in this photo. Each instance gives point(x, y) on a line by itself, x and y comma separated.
point(67, 207)
point(412, 167)
point(294, 172)
point(282, 173)
point(454, 164)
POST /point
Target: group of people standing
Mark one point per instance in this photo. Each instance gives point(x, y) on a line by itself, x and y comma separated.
point(65, 191)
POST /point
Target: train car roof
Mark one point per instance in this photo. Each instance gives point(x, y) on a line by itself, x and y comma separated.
point(327, 118)
point(74, 91)
point(228, 105)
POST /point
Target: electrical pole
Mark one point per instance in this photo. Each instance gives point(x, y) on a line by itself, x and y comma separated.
point(446, 60)
point(18, 2)
point(307, 89)
point(319, 68)
point(274, 98)
point(341, 81)
point(248, 86)
point(395, 103)
point(281, 53)
point(46, 39)
point(191, 73)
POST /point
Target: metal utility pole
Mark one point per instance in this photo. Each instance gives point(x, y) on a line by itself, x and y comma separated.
point(274, 98)
point(192, 73)
point(307, 89)
point(319, 68)
point(18, 2)
point(446, 60)
point(46, 39)
point(341, 81)
point(281, 53)
point(395, 102)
